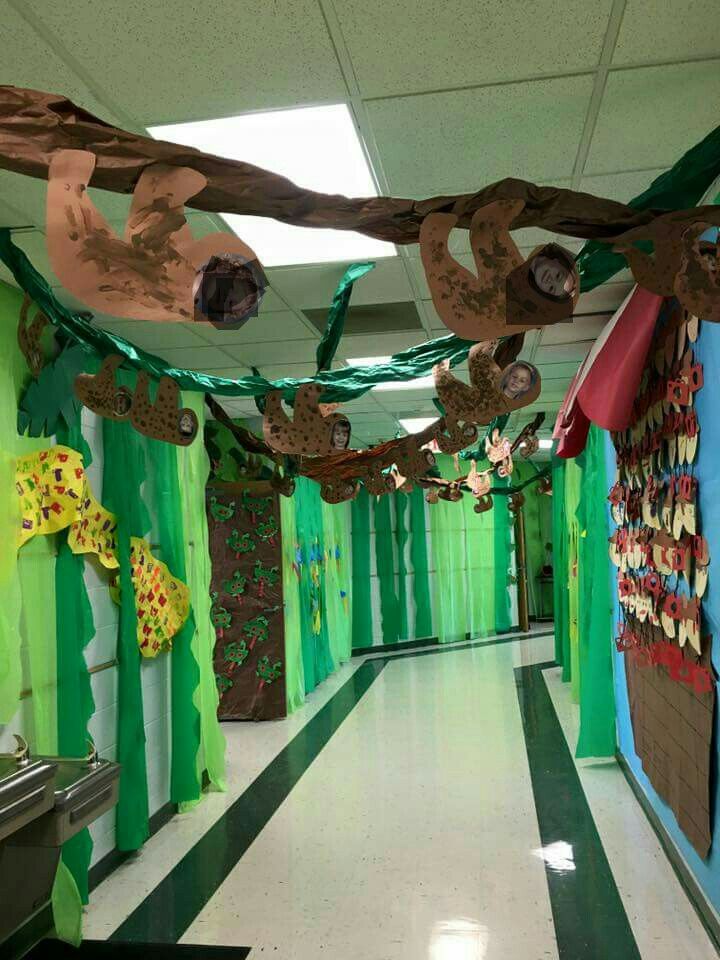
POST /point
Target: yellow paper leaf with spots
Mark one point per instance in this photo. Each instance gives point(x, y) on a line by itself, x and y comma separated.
point(161, 600)
point(50, 486)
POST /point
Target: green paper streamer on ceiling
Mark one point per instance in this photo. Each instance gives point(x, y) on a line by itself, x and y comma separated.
point(327, 348)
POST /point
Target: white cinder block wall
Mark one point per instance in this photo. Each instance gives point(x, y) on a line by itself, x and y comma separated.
point(102, 650)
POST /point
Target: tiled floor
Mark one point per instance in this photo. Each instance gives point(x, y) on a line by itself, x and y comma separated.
point(411, 835)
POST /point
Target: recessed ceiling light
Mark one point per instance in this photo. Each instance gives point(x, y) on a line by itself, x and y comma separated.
point(417, 424)
point(415, 384)
point(545, 444)
point(317, 148)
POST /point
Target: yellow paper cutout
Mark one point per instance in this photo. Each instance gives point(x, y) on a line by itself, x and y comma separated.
point(162, 601)
point(54, 494)
point(50, 486)
point(94, 531)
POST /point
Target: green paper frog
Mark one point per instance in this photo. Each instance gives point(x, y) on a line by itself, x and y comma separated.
point(236, 653)
point(240, 543)
point(220, 511)
point(256, 630)
point(235, 586)
point(268, 672)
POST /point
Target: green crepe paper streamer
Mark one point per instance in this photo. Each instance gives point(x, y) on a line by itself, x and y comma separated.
point(327, 348)
point(573, 482)
point(597, 698)
point(123, 476)
point(339, 625)
point(679, 188)
point(342, 385)
point(384, 564)
point(447, 525)
point(561, 600)
point(401, 538)
point(194, 470)
point(317, 661)
point(294, 671)
point(66, 905)
point(75, 629)
point(480, 562)
point(419, 560)
point(185, 673)
point(362, 630)
point(503, 548)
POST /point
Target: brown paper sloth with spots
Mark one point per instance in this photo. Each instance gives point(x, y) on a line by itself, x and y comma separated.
point(309, 433)
point(492, 392)
point(505, 297)
point(152, 273)
point(29, 336)
point(681, 265)
point(159, 419)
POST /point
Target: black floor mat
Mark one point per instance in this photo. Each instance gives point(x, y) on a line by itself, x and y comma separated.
point(112, 950)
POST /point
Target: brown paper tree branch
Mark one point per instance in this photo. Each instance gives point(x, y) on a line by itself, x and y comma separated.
point(35, 125)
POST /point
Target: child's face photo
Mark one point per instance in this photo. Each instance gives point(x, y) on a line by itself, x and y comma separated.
point(517, 381)
point(552, 276)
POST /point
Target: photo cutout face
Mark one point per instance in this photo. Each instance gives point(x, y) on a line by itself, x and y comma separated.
point(341, 435)
point(552, 276)
point(122, 402)
point(187, 426)
point(228, 290)
point(518, 380)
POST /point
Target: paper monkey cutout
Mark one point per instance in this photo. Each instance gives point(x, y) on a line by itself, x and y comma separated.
point(499, 452)
point(681, 265)
point(509, 294)
point(160, 420)
point(29, 336)
point(310, 432)
point(491, 392)
point(339, 491)
point(157, 271)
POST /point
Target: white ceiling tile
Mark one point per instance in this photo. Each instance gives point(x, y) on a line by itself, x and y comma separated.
point(313, 287)
point(563, 352)
point(622, 187)
point(582, 328)
point(671, 30)
point(281, 327)
point(606, 298)
point(195, 358)
point(153, 336)
point(465, 139)
point(379, 345)
point(262, 354)
point(193, 62)
point(412, 45)
point(30, 61)
point(650, 117)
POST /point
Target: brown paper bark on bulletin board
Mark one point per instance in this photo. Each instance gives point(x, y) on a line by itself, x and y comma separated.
point(672, 727)
point(245, 549)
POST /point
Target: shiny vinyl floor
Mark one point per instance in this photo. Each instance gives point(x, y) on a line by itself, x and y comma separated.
point(423, 805)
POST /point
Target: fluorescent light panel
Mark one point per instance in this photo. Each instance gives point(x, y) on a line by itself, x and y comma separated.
point(545, 444)
point(415, 384)
point(317, 148)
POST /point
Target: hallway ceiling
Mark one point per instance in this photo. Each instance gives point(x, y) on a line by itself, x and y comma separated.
point(599, 96)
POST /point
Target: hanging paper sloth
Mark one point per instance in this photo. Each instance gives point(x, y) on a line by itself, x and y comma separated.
point(159, 419)
point(491, 393)
point(313, 431)
point(509, 294)
point(29, 337)
point(682, 265)
point(157, 271)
